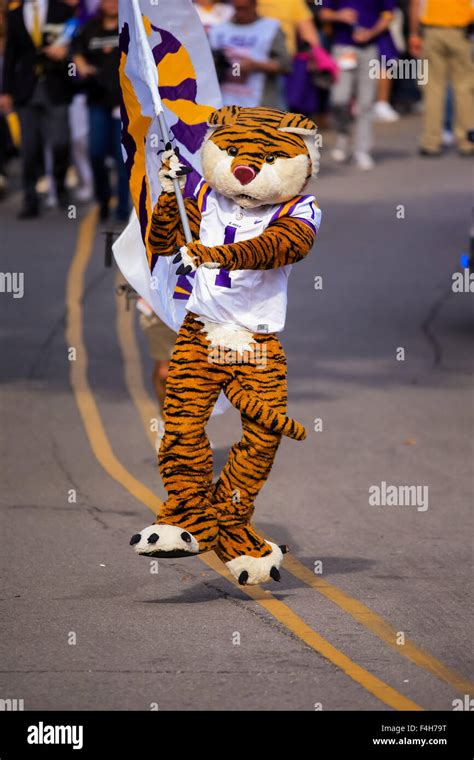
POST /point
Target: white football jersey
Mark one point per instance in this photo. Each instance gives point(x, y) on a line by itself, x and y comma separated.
point(254, 299)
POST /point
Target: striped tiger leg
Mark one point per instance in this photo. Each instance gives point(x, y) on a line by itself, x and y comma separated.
point(249, 557)
point(187, 522)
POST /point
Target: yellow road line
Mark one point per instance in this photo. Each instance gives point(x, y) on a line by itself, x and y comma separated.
point(357, 610)
point(132, 363)
point(378, 626)
point(85, 401)
point(296, 624)
point(276, 608)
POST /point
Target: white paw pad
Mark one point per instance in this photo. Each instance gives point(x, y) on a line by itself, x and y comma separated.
point(164, 541)
point(249, 571)
point(186, 259)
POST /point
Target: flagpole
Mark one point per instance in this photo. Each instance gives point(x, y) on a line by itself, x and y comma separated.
point(165, 135)
point(179, 195)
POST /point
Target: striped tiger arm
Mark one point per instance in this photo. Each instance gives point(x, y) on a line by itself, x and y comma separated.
point(286, 241)
point(166, 233)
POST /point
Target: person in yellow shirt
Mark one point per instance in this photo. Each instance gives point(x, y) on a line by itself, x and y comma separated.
point(438, 32)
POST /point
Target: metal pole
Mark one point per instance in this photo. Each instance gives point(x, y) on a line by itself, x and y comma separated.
point(179, 196)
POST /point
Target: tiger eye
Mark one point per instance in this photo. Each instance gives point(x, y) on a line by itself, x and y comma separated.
point(232, 151)
point(270, 159)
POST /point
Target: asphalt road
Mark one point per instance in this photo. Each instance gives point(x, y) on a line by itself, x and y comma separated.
point(384, 622)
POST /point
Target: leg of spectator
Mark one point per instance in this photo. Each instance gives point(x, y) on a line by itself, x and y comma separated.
point(340, 102)
point(79, 129)
point(30, 151)
point(366, 94)
point(461, 75)
point(436, 54)
point(58, 136)
point(98, 132)
point(4, 140)
point(340, 98)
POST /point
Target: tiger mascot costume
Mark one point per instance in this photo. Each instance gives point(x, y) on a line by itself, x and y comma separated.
point(250, 222)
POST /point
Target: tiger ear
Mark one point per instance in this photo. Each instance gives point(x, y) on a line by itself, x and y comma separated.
point(223, 117)
point(297, 124)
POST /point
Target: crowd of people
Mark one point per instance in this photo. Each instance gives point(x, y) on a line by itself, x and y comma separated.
point(59, 80)
point(330, 59)
point(60, 94)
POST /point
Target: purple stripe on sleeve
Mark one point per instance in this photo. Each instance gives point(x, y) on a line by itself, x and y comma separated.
point(275, 215)
point(308, 224)
point(297, 203)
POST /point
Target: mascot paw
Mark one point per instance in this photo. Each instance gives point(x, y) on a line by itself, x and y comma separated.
point(185, 260)
point(172, 169)
point(165, 541)
point(250, 571)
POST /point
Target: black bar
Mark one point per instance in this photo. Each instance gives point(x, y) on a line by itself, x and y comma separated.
point(319, 735)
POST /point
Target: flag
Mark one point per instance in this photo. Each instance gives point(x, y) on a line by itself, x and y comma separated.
point(166, 67)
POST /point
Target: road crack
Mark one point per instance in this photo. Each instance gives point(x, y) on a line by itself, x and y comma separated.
point(427, 327)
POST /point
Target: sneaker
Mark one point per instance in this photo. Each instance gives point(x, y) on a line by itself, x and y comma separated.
point(50, 202)
point(364, 161)
point(84, 194)
point(340, 152)
point(447, 138)
point(384, 112)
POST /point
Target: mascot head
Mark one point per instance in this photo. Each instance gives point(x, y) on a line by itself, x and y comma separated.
point(259, 156)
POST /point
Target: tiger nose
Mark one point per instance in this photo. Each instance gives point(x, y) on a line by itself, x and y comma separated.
point(244, 174)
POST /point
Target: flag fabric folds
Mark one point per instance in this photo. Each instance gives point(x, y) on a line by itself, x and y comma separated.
point(166, 67)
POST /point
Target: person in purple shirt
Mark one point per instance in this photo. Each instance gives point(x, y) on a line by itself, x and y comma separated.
point(358, 28)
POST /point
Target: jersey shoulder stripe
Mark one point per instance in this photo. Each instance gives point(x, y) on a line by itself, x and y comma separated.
point(302, 207)
point(284, 209)
point(201, 194)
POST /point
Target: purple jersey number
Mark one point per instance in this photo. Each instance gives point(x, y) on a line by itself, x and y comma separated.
point(223, 278)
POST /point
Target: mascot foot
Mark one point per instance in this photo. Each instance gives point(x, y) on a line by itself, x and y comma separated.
point(250, 571)
point(182, 529)
point(161, 540)
point(250, 558)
